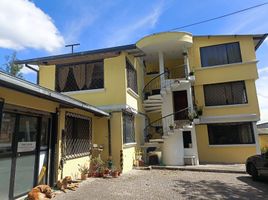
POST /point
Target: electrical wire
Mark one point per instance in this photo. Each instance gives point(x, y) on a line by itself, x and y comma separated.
point(219, 17)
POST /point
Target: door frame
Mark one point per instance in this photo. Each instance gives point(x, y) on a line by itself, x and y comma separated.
point(36, 152)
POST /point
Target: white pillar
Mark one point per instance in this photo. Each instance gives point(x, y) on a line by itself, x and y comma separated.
point(256, 136)
point(161, 67)
point(186, 63)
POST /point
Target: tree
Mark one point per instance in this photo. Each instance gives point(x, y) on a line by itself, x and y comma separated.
point(10, 67)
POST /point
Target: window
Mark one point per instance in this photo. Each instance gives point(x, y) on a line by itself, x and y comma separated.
point(82, 76)
point(131, 77)
point(7, 132)
point(220, 54)
point(128, 128)
point(225, 93)
point(231, 133)
point(77, 135)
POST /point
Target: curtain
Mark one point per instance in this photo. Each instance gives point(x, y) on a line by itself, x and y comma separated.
point(79, 75)
point(89, 74)
point(62, 77)
point(233, 51)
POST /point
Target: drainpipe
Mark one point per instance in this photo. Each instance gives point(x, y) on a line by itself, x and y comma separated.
point(109, 138)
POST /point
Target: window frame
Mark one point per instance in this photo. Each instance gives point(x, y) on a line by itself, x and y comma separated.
point(131, 69)
point(225, 45)
point(73, 64)
point(125, 131)
point(237, 134)
point(75, 117)
point(230, 84)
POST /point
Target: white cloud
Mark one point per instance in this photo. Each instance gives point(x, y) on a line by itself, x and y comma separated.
point(134, 29)
point(25, 70)
point(23, 25)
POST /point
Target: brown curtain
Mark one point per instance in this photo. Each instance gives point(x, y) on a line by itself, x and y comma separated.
point(89, 74)
point(79, 75)
point(62, 77)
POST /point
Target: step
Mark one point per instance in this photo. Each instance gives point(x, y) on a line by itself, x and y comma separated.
point(152, 104)
point(153, 109)
point(153, 97)
point(153, 101)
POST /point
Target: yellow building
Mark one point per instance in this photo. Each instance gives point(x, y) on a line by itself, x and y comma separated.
point(35, 148)
point(176, 97)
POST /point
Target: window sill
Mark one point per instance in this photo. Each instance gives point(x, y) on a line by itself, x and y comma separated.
point(132, 93)
point(226, 65)
point(232, 145)
point(226, 106)
point(84, 91)
point(128, 145)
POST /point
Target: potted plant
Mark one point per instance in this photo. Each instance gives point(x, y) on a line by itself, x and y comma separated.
point(192, 116)
point(96, 166)
point(83, 169)
point(171, 127)
point(191, 76)
point(200, 111)
point(115, 173)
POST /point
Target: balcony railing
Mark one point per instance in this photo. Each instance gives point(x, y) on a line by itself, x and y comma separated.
point(163, 80)
point(165, 124)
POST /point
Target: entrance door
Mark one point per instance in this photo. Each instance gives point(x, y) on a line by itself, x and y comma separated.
point(24, 160)
point(180, 102)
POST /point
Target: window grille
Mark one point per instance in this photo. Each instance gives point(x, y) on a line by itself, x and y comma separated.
point(131, 77)
point(128, 128)
point(220, 54)
point(78, 133)
point(231, 133)
point(225, 93)
point(81, 76)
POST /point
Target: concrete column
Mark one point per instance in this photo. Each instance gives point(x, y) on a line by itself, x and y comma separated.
point(186, 63)
point(161, 67)
point(256, 135)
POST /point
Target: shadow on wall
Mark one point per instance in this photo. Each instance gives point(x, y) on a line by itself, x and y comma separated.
point(220, 190)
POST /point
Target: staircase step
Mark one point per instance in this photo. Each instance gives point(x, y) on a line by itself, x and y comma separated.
point(152, 105)
point(153, 101)
point(153, 108)
point(154, 111)
point(158, 97)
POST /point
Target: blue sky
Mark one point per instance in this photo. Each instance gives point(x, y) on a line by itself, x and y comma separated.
point(46, 26)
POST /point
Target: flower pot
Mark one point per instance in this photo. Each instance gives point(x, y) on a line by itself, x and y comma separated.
point(115, 174)
point(84, 176)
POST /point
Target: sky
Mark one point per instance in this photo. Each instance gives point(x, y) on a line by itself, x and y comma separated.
point(40, 28)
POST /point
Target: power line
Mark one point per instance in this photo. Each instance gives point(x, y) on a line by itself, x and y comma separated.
point(222, 16)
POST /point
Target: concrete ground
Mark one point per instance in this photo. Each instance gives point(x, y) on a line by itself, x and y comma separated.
point(170, 184)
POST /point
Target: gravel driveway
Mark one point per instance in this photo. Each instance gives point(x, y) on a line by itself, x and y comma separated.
point(167, 184)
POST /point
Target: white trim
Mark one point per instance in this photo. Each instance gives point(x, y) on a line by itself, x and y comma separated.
point(255, 131)
point(226, 106)
point(232, 145)
point(84, 91)
point(119, 107)
point(132, 93)
point(226, 65)
point(128, 145)
point(229, 118)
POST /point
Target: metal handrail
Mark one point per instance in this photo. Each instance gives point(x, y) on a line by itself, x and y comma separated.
point(155, 83)
point(159, 123)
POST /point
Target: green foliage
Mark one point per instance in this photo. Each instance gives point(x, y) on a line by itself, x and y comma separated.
point(10, 67)
point(264, 150)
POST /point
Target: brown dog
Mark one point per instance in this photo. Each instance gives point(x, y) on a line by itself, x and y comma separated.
point(40, 192)
point(67, 183)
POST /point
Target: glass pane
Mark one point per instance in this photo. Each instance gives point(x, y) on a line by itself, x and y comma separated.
point(7, 130)
point(24, 174)
point(44, 133)
point(27, 133)
point(42, 172)
point(233, 51)
point(5, 168)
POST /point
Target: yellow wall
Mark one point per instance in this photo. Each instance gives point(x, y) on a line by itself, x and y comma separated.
point(128, 158)
point(263, 139)
point(25, 100)
point(47, 76)
point(220, 154)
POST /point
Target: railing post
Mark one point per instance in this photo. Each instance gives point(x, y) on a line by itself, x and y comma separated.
point(161, 68)
point(186, 64)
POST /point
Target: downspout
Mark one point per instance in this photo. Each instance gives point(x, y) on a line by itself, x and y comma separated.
point(109, 138)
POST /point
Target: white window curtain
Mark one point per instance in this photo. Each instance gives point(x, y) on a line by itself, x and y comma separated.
point(62, 77)
point(79, 75)
point(89, 74)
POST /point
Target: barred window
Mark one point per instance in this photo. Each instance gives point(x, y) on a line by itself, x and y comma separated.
point(220, 54)
point(128, 128)
point(231, 133)
point(81, 76)
point(131, 77)
point(225, 93)
point(78, 135)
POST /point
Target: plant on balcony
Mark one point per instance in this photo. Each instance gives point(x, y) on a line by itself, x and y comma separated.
point(192, 115)
point(171, 127)
point(191, 73)
point(264, 150)
point(199, 111)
